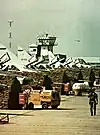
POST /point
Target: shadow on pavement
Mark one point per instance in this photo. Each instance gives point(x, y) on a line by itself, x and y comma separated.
point(66, 108)
point(17, 114)
point(3, 122)
point(55, 109)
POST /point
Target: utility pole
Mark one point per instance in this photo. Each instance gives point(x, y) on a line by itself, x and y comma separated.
point(10, 33)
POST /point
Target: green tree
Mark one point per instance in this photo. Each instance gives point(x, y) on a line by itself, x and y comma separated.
point(80, 76)
point(14, 94)
point(65, 78)
point(91, 78)
point(99, 73)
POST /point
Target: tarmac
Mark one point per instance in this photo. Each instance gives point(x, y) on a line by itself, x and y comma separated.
point(71, 118)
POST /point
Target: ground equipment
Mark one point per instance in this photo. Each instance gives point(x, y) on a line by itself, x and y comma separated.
point(80, 87)
point(4, 118)
point(45, 98)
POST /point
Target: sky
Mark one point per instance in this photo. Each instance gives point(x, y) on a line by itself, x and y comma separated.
point(69, 20)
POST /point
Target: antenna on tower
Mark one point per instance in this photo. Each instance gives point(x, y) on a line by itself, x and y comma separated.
point(10, 33)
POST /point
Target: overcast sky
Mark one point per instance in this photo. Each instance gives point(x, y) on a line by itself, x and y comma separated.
point(69, 20)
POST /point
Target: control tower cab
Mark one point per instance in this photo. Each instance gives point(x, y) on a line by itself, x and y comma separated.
point(44, 45)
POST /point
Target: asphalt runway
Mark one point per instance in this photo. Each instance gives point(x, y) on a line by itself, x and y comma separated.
point(71, 118)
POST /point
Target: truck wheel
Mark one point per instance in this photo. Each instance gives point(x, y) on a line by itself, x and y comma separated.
point(30, 106)
point(79, 93)
point(54, 107)
point(44, 105)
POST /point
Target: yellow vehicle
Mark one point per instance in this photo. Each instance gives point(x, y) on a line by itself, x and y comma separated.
point(45, 98)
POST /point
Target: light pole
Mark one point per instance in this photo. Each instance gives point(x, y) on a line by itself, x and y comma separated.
point(10, 33)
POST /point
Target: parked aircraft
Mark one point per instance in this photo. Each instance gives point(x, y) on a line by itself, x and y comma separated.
point(10, 61)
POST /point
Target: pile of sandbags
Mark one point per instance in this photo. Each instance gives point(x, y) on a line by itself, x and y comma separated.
point(1, 99)
point(4, 96)
point(56, 76)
